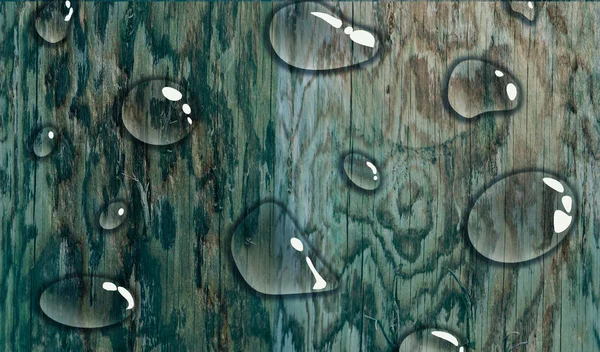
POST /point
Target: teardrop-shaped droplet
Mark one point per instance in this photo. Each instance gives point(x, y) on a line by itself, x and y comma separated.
point(362, 171)
point(526, 9)
point(113, 215)
point(45, 141)
point(53, 21)
point(521, 217)
point(310, 36)
point(476, 87)
point(87, 302)
point(273, 256)
point(158, 112)
point(431, 340)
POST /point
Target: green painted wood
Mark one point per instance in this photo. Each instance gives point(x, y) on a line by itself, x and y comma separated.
point(268, 131)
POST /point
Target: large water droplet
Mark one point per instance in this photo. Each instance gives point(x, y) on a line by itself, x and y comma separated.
point(527, 9)
point(45, 141)
point(53, 21)
point(521, 217)
point(273, 256)
point(158, 112)
point(310, 36)
point(113, 215)
point(476, 87)
point(431, 340)
point(362, 171)
point(87, 302)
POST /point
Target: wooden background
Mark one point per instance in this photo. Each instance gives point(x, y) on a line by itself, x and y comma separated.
point(271, 132)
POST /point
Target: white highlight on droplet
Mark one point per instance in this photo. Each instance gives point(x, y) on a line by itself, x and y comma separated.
point(363, 38)
point(51, 135)
point(373, 168)
point(70, 14)
point(123, 291)
point(68, 4)
point(189, 120)
point(567, 202)
point(511, 91)
point(562, 221)
point(530, 4)
point(446, 336)
point(320, 283)
point(461, 349)
point(554, 184)
point(172, 94)
point(109, 286)
point(186, 109)
point(297, 244)
point(335, 22)
point(121, 211)
point(499, 73)
point(348, 30)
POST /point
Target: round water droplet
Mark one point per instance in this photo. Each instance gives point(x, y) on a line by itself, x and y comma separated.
point(87, 302)
point(476, 87)
point(156, 112)
point(113, 215)
point(362, 171)
point(309, 36)
point(525, 9)
point(273, 257)
point(44, 142)
point(53, 21)
point(521, 217)
point(431, 340)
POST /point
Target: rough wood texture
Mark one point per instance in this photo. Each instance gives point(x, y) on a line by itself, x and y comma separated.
point(273, 132)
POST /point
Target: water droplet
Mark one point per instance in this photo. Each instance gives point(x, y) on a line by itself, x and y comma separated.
point(524, 8)
point(521, 217)
point(309, 36)
point(113, 215)
point(87, 302)
point(476, 87)
point(45, 141)
point(53, 21)
point(431, 340)
point(362, 171)
point(273, 256)
point(156, 112)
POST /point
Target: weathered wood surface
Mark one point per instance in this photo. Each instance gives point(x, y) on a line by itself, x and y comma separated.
point(272, 132)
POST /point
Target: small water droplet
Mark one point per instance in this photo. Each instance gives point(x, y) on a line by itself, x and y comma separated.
point(87, 302)
point(155, 112)
point(309, 36)
point(476, 87)
point(273, 256)
point(521, 217)
point(362, 171)
point(44, 142)
point(524, 8)
point(431, 340)
point(113, 215)
point(53, 21)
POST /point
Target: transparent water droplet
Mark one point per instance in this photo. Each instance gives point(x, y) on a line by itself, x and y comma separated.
point(526, 9)
point(476, 87)
point(158, 112)
point(431, 340)
point(87, 302)
point(53, 21)
point(309, 36)
point(521, 217)
point(45, 141)
point(113, 215)
point(273, 256)
point(362, 171)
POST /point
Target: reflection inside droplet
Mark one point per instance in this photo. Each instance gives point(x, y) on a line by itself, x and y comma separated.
point(521, 217)
point(431, 340)
point(156, 112)
point(476, 87)
point(361, 171)
point(44, 142)
point(113, 215)
point(273, 256)
point(52, 22)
